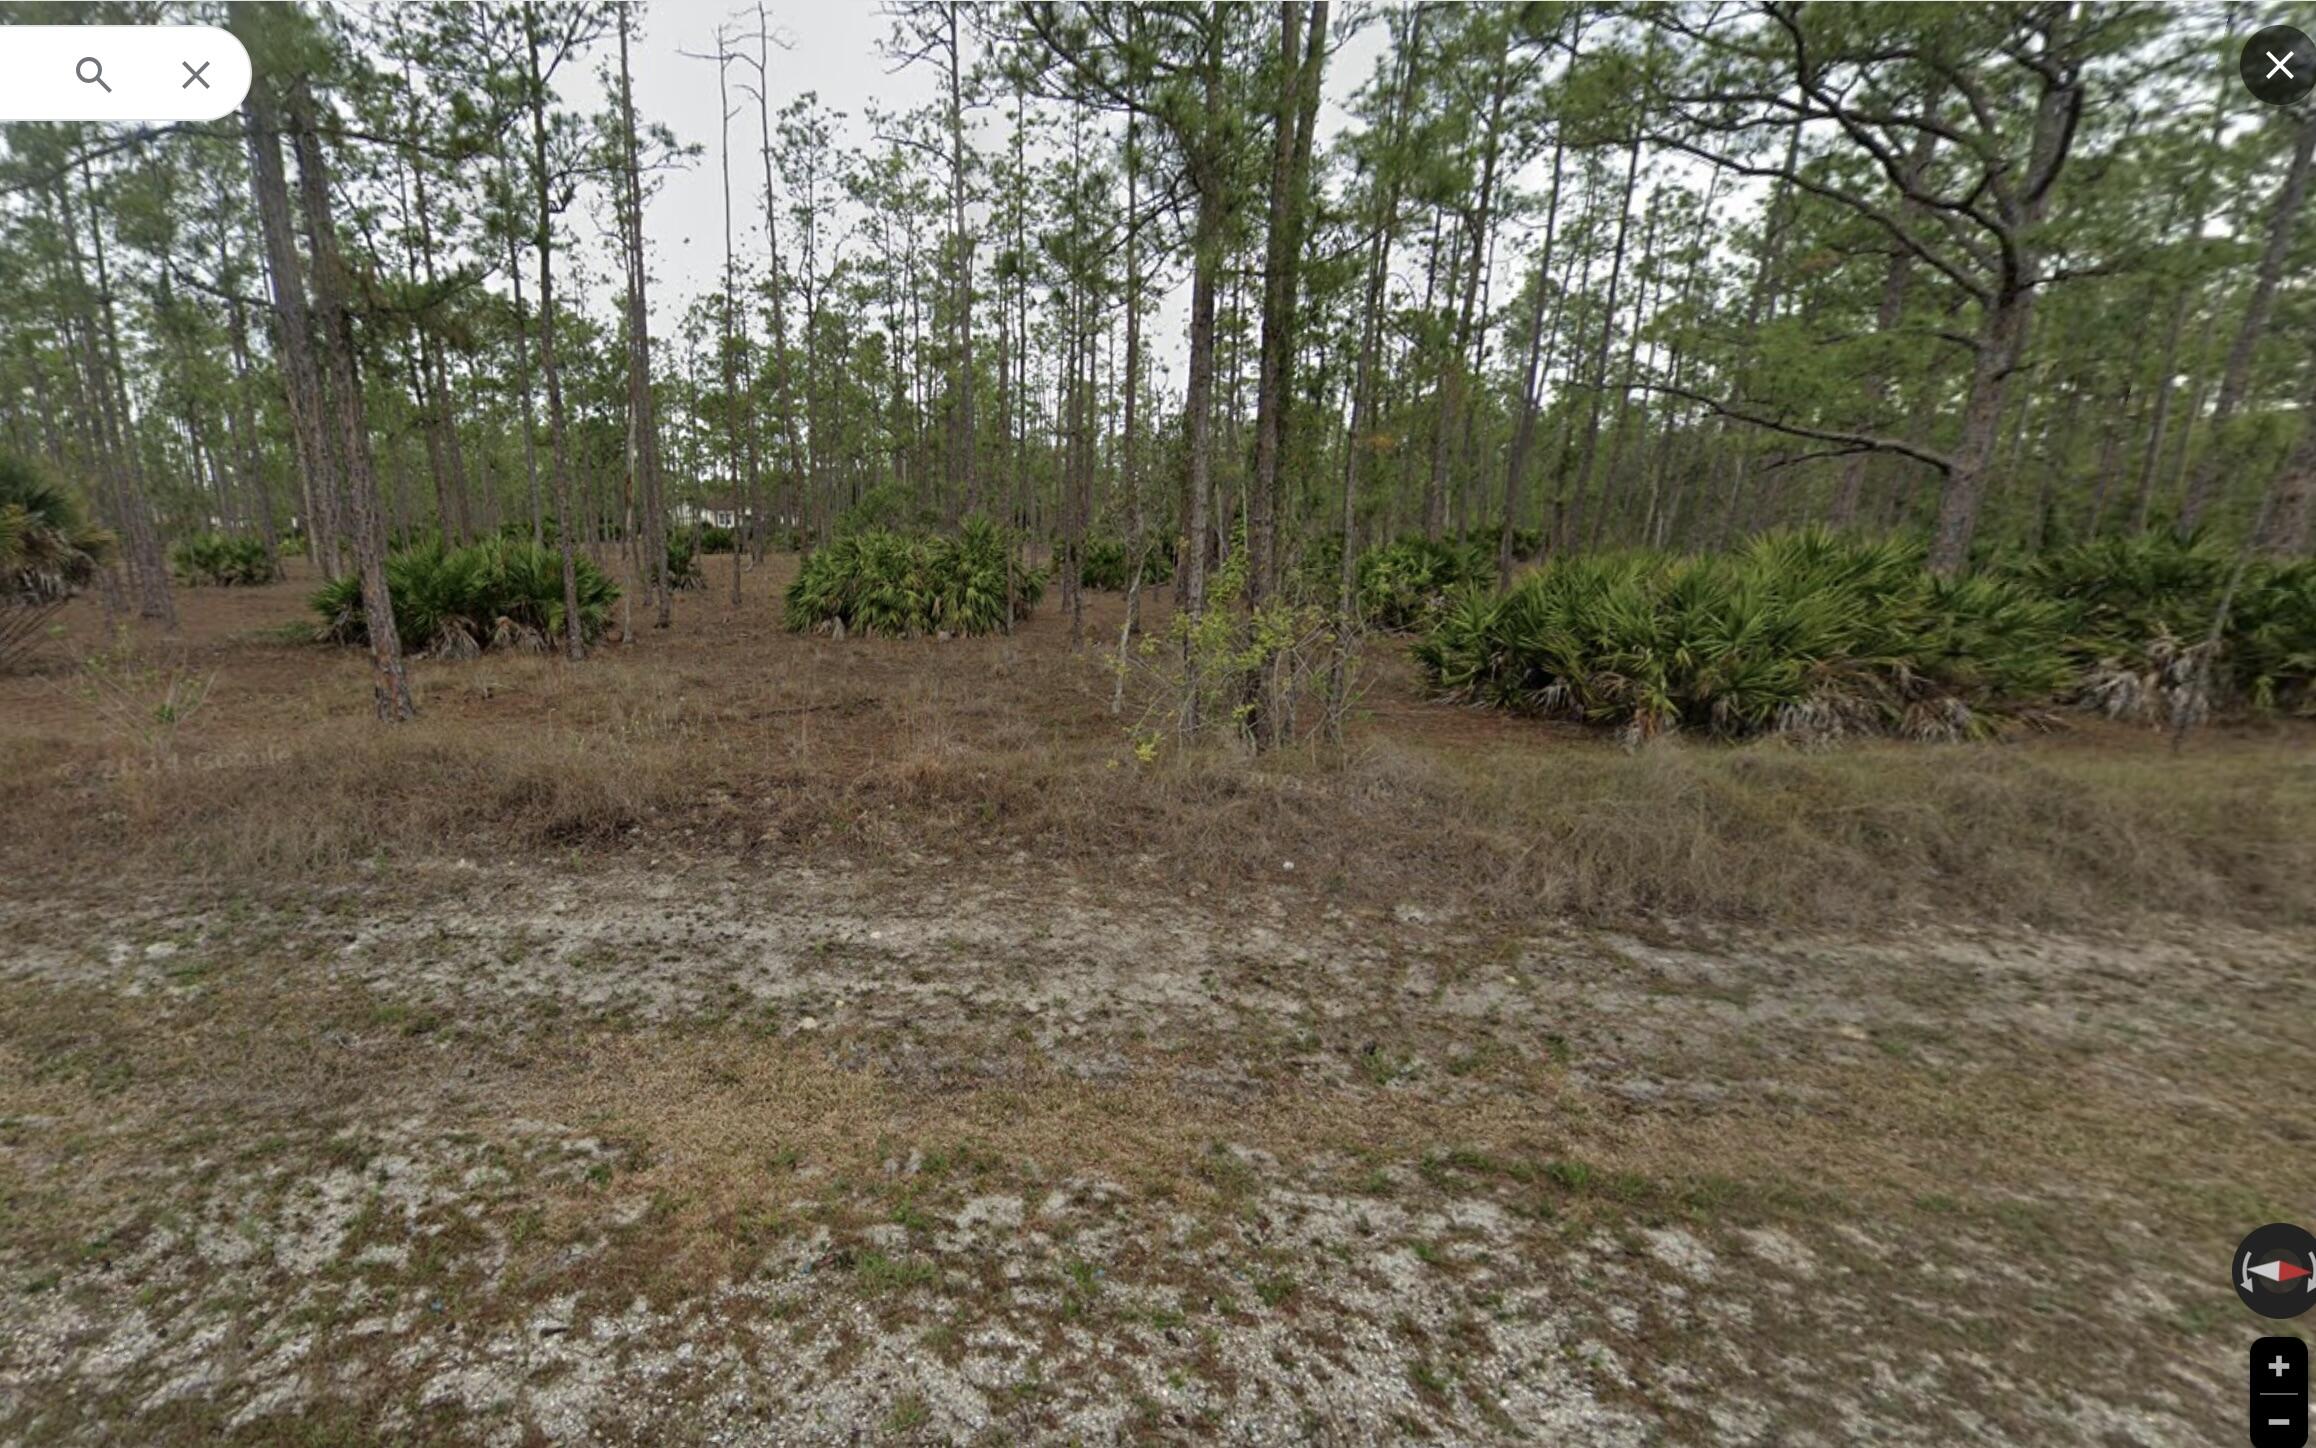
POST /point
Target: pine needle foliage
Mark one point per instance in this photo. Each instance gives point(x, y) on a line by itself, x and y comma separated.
point(897, 585)
point(1805, 633)
point(454, 602)
point(887, 508)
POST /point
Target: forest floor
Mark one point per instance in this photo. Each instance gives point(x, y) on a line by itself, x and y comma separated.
point(751, 1038)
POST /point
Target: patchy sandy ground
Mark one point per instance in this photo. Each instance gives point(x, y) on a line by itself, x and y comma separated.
point(800, 1155)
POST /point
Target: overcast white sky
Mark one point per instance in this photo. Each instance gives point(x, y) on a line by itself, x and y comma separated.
point(834, 49)
point(837, 49)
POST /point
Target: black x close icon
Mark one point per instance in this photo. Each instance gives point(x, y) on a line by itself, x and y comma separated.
point(193, 73)
point(2278, 65)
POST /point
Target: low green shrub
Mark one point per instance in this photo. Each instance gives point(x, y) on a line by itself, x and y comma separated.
point(48, 548)
point(1806, 632)
point(712, 538)
point(224, 560)
point(1404, 584)
point(878, 581)
point(48, 552)
point(2138, 610)
point(2271, 638)
point(1256, 674)
point(683, 559)
point(1109, 562)
point(455, 602)
point(516, 530)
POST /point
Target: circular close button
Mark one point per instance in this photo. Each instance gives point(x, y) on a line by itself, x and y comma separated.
point(2278, 65)
point(2274, 1270)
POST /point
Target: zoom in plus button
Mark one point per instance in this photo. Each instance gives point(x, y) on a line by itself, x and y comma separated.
point(2279, 1393)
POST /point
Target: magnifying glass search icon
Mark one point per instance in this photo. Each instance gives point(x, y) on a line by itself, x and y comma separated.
point(92, 72)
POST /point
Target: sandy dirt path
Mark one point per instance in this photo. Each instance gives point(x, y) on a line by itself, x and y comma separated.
point(722, 1153)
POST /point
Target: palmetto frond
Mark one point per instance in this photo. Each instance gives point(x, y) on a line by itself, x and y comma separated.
point(895, 585)
point(1808, 632)
point(48, 549)
point(459, 598)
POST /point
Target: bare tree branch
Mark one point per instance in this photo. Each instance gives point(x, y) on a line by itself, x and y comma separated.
point(1855, 441)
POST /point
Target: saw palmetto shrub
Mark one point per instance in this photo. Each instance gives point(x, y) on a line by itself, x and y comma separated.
point(683, 559)
point(1803, 633)
point(2139, 612)
point(224, 560)
point(1404, 584)
point(2271, 638)
point(516, 530)
point(455, 602)
point(48, 552)
point(895, 585)
point(1109, 562)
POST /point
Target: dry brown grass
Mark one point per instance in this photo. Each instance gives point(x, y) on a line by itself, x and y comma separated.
point(728, 738)
point(193, 1045)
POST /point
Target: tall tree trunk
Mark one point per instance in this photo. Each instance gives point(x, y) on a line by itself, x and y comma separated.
point(1672, 439)
point(961, 280)
point(442, 419)
point(1382, 225)
point(2236, 377)
point(2000, 344)
point(1129, 445)
point(1069, 416)
point(574, 642)
point(2283, 531)
point(389, 682)
point(2159, 420)
point(421, 403)
point(2009, 310)
point(1585, 457)
point(1524, 431)
point(1078, 472)
point(245, 433)
point(1295, 118)
point(523, 350)
point(643, 411)
point(140, 540)
point(1210, 185)
point(1434, 488)
point(1611, 468)
point(2111, 442)
point(1292, 118)
point(1760, 306)
point(2198, 184)
point(1448, 400)
point(783, 388)
point(1898, 273)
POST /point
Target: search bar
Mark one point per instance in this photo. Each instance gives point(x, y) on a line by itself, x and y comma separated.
point(120, 73)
